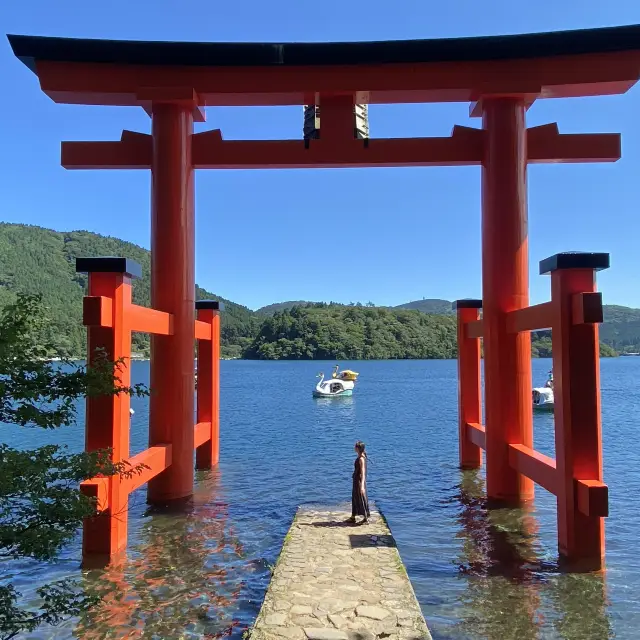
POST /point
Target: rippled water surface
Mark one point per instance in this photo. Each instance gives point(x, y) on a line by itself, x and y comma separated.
point(477, 574)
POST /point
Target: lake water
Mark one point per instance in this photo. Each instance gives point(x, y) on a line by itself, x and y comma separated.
point(477, 574)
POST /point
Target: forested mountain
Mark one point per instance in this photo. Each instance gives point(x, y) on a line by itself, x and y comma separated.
point(429, 305)
point(318, 331)
point(621, 328)
point(270, 309)
point(36, 260)
point(322, 331)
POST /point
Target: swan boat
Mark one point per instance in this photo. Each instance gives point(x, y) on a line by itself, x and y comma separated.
point(542, 397)
point(340, 384)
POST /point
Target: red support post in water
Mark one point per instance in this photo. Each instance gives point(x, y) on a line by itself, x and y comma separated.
point(173, 291)
point(208, 395)
point(107, 417)
point(575, 476)
point(582, 495)
point(112, 317)
point(505, 288)
point(469, 382)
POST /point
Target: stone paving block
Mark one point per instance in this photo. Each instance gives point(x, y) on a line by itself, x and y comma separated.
point(335, 581)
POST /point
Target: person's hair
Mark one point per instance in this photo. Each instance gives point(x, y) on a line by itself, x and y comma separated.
point(360, 448)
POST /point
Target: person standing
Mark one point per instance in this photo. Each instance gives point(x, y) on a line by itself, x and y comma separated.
point(359, 500)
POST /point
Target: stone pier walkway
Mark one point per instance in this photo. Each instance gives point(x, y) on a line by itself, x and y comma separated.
point(335, 581)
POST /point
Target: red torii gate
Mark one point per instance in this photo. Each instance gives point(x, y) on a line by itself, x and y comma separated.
point(500, 76)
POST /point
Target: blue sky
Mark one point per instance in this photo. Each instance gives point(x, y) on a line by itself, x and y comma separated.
point(381, 235)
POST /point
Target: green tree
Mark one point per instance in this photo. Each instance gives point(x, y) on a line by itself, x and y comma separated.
point(353, 332)
point(541, 346)
point(42, 262)
point(41, 507)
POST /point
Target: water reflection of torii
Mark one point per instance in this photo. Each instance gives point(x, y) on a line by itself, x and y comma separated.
point(507, 578)
point(180, 574)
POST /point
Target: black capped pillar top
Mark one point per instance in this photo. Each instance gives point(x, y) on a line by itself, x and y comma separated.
point(467, 303)
point(574, 260)
point(214, 305)
point(109, 264)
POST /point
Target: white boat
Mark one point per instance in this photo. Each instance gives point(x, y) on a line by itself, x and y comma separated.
point(542, 397)
point(340, 384)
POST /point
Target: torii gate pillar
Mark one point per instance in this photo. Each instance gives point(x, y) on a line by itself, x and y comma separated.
point(505, 287)
point(171, 411)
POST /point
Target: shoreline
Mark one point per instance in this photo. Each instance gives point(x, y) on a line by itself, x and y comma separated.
point(347, 359)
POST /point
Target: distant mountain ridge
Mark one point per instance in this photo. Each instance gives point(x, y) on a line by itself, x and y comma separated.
point(429, 305)
point(270, 309)
point(620, 329)
point(42, 261)
point(613, 313)
point(426, 305)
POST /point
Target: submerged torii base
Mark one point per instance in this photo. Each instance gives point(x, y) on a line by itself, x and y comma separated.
point(575, 476)
point(111, 317)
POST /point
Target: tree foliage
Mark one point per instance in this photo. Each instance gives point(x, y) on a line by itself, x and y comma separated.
point(345, 332)
point(42, 262)
point(541, 346)
point(320, 331)
point(621, 328)
point(60, 600)
point(41, 506)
